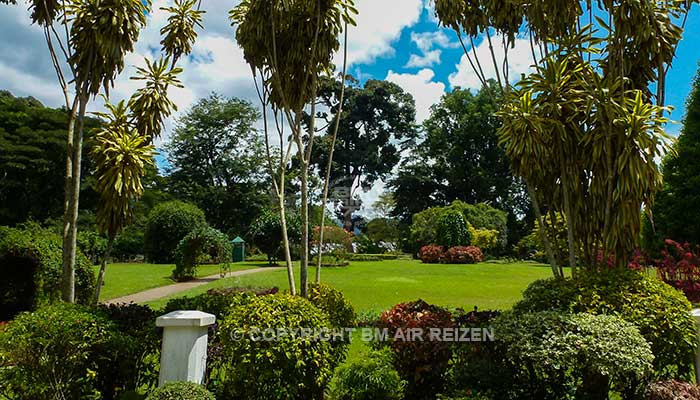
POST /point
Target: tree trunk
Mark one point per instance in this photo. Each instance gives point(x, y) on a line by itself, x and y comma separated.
point(285, 241)
point(71, 203)
point(543, 234)
point(304, 259)
point(567, 210)
point(103, 268)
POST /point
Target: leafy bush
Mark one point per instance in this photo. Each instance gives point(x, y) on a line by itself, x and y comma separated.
point(31, 267)
point(181, 391)
point(486, 239)
point(680, 268)
point(55, 352)
point(286, 368)
point(673, 390)
point(371, 378)
point(421, 364)
point(364, 244)
point(452, 229)
point(203, 244)
point(265, 233)
point(431, 254)
point(335, 239)
point(464, 255)
point(167, 224)
point(553, 355)
point(340, 313)
point(129, 244)
point(92, 244)
point(423, 228)
point(133, 360)
point(661, 313)
point(483, 216)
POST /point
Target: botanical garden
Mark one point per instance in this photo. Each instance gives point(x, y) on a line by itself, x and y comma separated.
point(322, 233)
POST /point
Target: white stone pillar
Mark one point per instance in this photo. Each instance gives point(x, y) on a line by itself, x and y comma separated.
point(695, 312)
point(184, 353)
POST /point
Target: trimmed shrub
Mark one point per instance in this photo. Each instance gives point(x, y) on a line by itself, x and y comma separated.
point(680, 268)
point(265, 233)
point(431, 254)
point(673, 390)
point(464, 255)
point(31, 268)
point(289, 367)
point(371, 378)
point(452, 229)
point(553, 355)
point(203, 244)
point(167, 224)
point(366, 245)
point(421, 363)
point(55, 352)
point(340, 313)
point(181, 391)
point(660, 312)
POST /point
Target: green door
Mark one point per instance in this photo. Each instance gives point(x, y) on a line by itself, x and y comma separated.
point(238, 249)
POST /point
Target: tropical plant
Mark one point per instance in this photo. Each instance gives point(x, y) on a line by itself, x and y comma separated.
point(582, 129)
point(289, 61)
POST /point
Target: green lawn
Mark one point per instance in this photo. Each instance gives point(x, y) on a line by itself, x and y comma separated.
point(379, 285)
point(124, 279)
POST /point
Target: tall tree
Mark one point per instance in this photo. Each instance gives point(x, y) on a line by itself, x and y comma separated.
point(676, 213)
point(377, 122)
point(215, 153)
point(584, 128)
point(288, 61)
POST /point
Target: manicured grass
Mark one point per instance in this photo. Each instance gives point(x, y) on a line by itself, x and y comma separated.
point(380, 285)
point(124, 279)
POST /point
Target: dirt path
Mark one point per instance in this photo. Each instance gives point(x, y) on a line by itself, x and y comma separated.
point(164, 291)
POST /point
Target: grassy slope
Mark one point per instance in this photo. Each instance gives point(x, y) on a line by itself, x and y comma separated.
point(379, 285)
point(124, 279)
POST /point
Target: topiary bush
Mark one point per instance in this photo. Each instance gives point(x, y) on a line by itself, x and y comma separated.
point(421, 363)
point(181, 391)
point(370, 378)
point(288, 367)
point(660, 312)
point(452, 229)
point(431, 254)
point(203, 244)
point(31, 268)
point(463, 255)
point(55, 353)
point(554, 355)
point(167, 224)
point(673, 390)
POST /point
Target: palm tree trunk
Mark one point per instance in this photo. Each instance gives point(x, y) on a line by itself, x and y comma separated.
point(543, 234)
point(103, 268)
point(285, 242)
point(71, 204)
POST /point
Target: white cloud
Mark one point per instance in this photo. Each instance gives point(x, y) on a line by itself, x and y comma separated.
point(379, 23)
point(421, 86)
point(519, 60)
point(428, 59)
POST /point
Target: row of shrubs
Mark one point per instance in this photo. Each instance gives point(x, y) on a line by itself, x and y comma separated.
point(434, 254)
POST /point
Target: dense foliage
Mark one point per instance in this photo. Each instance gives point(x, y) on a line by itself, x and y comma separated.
point(180, 391)
point(550, 355)
point(30, 264)
point(679, 266)
point(288, 367)
point(675, 210)
point(673, 390)
point(371, 378)
point(431, 254)
point(421, 363)
point(661, 313)
point(168, 223)
point(463, 255)
point(452, 229)
point(340, 314)
point(203, 244)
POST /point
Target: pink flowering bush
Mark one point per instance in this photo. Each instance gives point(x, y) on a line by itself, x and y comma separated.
point(431, 254)
point(464, 255)
point(680, 268)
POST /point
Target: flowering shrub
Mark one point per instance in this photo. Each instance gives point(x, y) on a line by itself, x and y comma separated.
point(671, 390)
point(431, 254)
point(680, 268)
point(464, 255)
point(421, 363)
point(335, 239)
point(486, 239)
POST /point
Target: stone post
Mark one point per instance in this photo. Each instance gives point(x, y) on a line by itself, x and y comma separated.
point(184, 353)
point(695, 312)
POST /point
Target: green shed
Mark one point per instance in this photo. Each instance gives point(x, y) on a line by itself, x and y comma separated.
point(238, 249)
